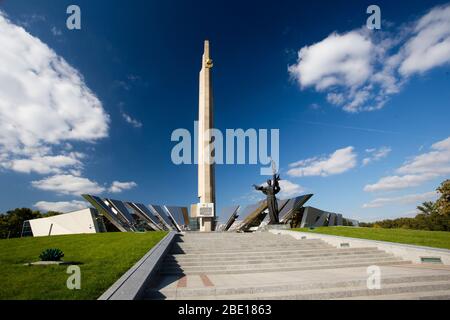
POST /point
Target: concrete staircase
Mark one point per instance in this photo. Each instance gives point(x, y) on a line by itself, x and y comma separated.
point(258, 259)
point(263, 252)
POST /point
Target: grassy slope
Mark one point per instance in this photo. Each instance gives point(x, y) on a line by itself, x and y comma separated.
point(437, 239)
point(104, 257)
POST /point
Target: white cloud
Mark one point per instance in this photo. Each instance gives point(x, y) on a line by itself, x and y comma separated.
point(342, 65)
point(338, 162)
point(118, 187)
point(337, 59)
point(376, 154)
point(361, 70)
point(46, 164)
point(135, 123)
point(290, 189)
point(407, 199)
point(398, 182)
point(44, 104)
point(62, 206)
point(419, 169)
point(435, 162)
point(429, 47)
point(68, 184)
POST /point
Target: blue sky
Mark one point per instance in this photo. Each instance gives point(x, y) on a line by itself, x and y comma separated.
point(363, 114)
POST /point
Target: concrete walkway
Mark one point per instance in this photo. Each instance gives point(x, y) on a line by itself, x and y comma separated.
point(267, 266)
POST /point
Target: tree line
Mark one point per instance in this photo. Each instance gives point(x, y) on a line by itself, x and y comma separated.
point(11, 222)
point(433, 216)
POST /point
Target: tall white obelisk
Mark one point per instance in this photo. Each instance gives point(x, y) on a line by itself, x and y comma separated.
point(205, 209)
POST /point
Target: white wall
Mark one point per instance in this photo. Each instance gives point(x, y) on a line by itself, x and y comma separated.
point(82, 221)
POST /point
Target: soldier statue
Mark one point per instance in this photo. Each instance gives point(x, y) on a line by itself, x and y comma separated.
point(272, 188)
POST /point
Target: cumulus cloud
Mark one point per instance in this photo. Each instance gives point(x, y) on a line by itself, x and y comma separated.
point(118, 187)
point(45, 106)
point(46, 164)
point(44, 103)
point(68, 184)
point(61, 206)
point(407, 199)
point(338, 59)
point(419, 169)
point(376, 154)
point(338, 162)
point(429, 47)
point(360, 70)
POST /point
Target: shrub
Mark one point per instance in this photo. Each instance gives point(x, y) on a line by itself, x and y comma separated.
point(51, 255)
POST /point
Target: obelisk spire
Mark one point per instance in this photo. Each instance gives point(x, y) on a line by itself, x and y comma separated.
point(206, 175)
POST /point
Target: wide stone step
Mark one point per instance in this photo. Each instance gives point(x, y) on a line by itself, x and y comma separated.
point(207, 246)
point(250, 241)
point(290, 267)
point(336, 293)
point(294, 286)
point(304, 254)
point(246, 249)
point(275, 264)
point(280, 253)
point(244, 239)
point(171, 263)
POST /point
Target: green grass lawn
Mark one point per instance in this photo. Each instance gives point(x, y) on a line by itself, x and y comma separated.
point(437, 239)
point(104, 257)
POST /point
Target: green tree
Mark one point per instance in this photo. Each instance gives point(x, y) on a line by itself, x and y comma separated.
point(51, 214)
point(427, 208)
point(443, 203)
point(11, 223)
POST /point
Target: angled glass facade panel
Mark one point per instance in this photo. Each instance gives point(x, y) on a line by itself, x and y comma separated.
point(172, 218)
point(287, 210)
point(159, 212)
point(108, 212)
point(226, 218)
point(179, 214)
point(292, 205)
point(332, 220)
point(339, 220)
point(322, 220)
point(123, 210)
point(252, 214)
point(142, 211)
point(250, 209)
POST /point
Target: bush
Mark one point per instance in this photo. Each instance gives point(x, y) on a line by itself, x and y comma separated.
point(51, 255)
